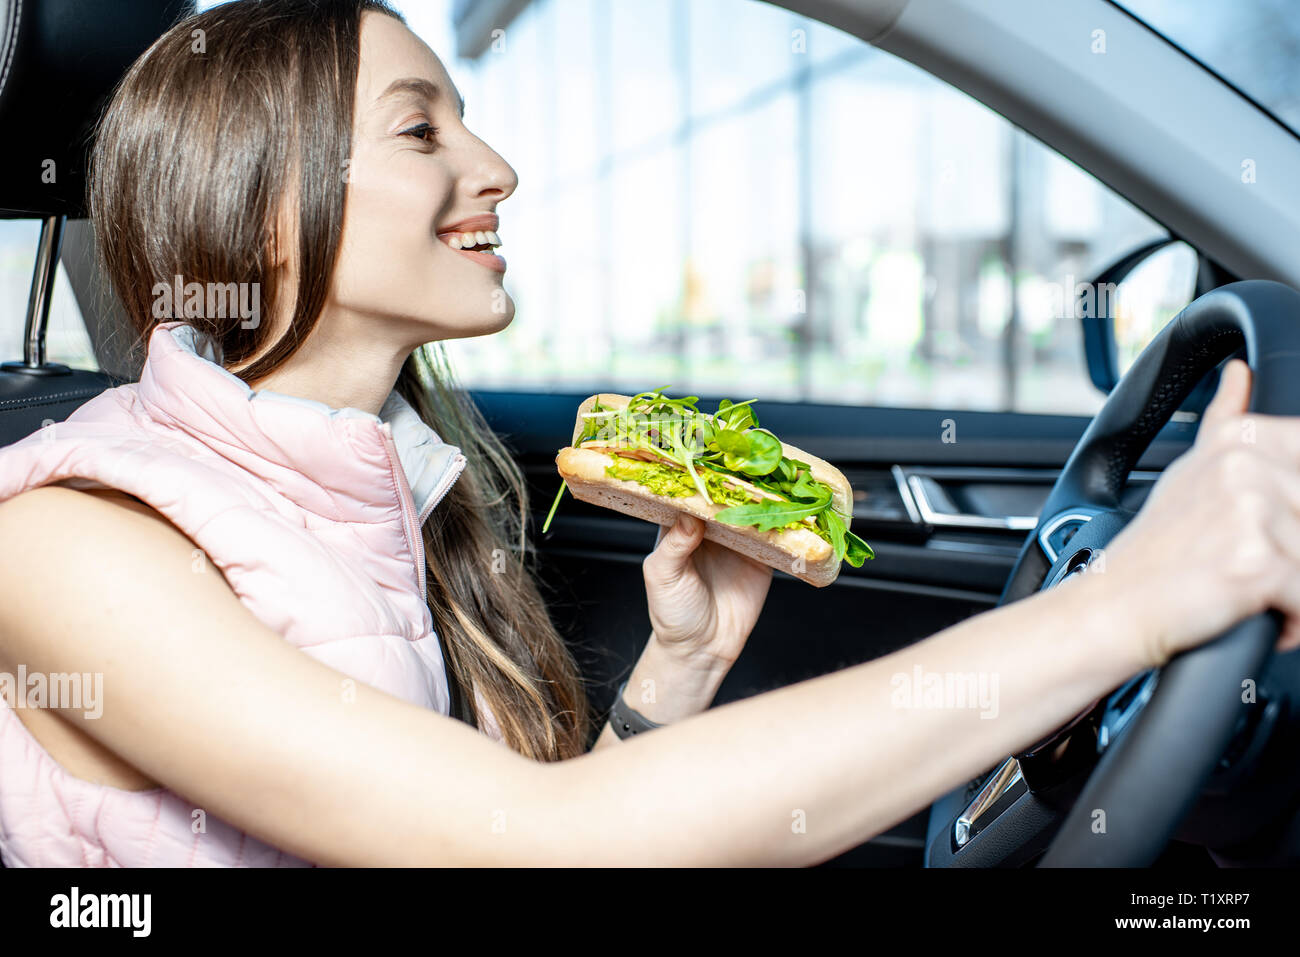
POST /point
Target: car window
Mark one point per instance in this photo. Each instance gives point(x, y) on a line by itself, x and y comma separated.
point(1252, 44)
point(738, 201)
point(66, 340)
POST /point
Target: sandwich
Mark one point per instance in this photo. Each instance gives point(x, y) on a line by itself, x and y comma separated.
point(651, 456)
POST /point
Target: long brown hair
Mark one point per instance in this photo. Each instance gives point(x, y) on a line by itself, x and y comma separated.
point(228, 116)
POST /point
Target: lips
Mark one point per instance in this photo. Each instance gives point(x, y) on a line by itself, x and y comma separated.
point(483, 223)
point(476, 238)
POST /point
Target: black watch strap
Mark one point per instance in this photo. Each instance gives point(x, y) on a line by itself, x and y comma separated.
point(625, 721)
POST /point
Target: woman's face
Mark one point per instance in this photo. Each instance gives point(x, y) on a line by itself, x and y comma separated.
point(421, 188)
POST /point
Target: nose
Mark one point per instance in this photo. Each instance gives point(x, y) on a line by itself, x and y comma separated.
point(488, 174)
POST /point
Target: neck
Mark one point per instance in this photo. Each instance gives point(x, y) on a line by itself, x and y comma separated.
point(342, 371)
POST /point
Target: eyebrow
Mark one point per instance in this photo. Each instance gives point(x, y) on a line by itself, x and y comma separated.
point(416, 86)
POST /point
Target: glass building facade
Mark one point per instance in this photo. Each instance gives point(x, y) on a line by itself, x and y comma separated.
point(723, 197)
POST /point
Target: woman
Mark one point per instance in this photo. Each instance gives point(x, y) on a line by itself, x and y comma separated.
point(311, 534)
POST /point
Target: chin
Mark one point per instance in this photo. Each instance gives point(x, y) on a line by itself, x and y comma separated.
point(483, 324)
point(500, 321)
point(503, 310)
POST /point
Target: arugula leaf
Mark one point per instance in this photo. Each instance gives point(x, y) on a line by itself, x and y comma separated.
point(554, 505)
point(737, 416)
point(769, 514)
point(808, 487)
point(830, 520)
point(858, 550)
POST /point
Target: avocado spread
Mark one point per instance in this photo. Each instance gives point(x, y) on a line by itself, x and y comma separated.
point(675, 483)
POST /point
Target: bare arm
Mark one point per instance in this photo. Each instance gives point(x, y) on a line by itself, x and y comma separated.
point(841, 754)
point(203, 698)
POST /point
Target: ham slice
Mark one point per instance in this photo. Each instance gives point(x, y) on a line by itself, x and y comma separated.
point(645, 455)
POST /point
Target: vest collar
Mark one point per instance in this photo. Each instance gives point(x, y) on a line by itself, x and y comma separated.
point(334, 462)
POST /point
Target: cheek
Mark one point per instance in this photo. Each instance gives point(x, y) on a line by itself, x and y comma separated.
point(390, 227)
point(404, 204)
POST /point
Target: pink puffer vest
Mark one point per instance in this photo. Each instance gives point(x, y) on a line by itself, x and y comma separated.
point(313, 516)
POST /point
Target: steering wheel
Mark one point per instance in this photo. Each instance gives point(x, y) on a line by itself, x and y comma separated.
point(1162, 734)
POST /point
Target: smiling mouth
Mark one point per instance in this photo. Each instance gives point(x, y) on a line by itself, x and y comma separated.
point(482, 241)
point(480, 247)
point(476, 239)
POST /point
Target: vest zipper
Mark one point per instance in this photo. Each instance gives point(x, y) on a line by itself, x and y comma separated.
point(460, 706)
point(414, 540)
point(411, 521)
point(448, 480)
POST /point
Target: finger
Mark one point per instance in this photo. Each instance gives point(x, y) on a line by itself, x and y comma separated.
point(1231, 398)
point(685, 533)
point(1284, 529)
point(1283, 480)
point(1290, 639)
point(665, 529)
point(669, 559)
point(1277, 437)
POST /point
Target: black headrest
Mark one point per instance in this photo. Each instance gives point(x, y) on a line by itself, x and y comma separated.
point(59, 62)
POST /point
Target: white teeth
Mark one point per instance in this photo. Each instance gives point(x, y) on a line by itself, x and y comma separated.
point(470, 240)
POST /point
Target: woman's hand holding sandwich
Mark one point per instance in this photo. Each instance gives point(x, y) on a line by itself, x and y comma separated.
point(704, 598)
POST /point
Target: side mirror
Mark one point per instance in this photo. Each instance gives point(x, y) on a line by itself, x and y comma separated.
point(1135, 297)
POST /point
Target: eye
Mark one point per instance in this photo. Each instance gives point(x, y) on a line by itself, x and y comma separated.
point(423, 131)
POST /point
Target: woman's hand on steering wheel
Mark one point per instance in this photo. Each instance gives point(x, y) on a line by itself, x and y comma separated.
point(1218, 538)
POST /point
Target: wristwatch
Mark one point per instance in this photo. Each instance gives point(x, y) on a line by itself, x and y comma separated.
point(627, 722)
